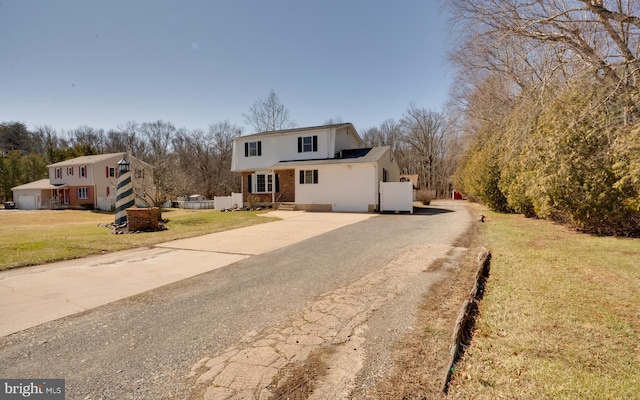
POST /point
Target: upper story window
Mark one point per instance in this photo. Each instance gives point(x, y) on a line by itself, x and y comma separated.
point(83, 171)
point(307, 143)
point(111, 172)
point(58, 173)
point(69, 171)
point(253, 149)
point(139, 173)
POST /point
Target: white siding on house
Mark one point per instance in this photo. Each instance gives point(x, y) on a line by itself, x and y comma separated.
point(346, 140)
point(390, 165)
point(279, 147)
point(346, 188)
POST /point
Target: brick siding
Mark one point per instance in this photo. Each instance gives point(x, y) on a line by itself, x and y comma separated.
point(142, 219)
point(287, 185)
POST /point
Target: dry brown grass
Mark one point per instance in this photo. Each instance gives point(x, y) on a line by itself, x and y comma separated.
point(298, 381)
point(559, 318)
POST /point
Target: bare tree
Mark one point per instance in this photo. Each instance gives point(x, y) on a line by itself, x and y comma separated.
point(269, 115)
point(159, 136)
point(127, 138)
point(333, 121)
point(426, 132)
point(88, 138)
point(554, 34)
point(205, 159)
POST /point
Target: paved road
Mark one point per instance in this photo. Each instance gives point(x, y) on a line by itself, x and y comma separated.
point(225, 333)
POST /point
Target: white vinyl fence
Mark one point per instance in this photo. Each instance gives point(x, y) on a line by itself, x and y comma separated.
point(218, 203)
point(226, 202)
point(198, 204)
point(396, 196)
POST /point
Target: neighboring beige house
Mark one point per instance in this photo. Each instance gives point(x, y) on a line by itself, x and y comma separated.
point(87, 182)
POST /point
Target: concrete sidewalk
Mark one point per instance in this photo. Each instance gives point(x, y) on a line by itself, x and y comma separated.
point(34, 295)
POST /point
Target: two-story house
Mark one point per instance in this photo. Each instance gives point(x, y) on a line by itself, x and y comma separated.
point(88, 181)
point(321, 168)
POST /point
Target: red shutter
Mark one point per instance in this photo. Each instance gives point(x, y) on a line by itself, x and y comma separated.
point(107, 177)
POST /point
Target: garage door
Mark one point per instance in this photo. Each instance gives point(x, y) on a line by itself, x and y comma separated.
point(26, 203)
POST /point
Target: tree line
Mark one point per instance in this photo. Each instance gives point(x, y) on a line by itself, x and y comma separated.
point(547, 98)
point(199, 161)
point(185, 161)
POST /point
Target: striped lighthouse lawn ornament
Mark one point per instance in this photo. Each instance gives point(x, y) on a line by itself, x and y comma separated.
point(124, 192)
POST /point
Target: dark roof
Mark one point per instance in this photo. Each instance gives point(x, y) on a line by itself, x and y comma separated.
point(292, 130)
point(364, 155)
point(354, 153)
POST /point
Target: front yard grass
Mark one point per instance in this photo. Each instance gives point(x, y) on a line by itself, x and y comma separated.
point(36, 237)
point(560, 317)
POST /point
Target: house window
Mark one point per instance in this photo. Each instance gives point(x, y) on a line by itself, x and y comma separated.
point(253, 149)
point(139, 173)
point(384, 174)
point(69, 171)
point(307, 144)
point(111, 172)
point(83, 193)
point(83, 172)
point(260, 183)
point(263, 183)
point(308, 176)
point(58, 173)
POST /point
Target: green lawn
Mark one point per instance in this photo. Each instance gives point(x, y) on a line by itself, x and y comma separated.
point(560, 318)
point(36, 237)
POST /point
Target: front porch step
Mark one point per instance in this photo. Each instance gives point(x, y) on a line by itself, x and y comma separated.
point(287, 207)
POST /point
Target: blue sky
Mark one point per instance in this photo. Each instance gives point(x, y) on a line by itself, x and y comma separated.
point(70, 63)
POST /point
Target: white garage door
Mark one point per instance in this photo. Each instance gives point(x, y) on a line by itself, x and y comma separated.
point(26, 203)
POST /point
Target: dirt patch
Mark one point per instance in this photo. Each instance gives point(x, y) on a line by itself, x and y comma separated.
point(297, 382)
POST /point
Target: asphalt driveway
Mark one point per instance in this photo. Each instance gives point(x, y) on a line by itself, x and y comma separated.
point(226, 333)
